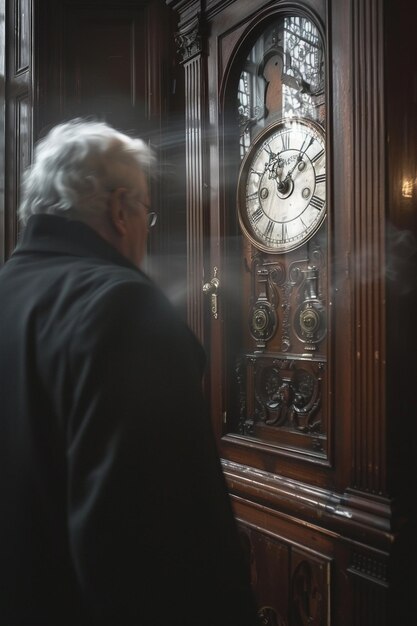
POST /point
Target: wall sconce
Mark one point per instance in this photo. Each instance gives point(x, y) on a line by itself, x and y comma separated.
point(407, 188)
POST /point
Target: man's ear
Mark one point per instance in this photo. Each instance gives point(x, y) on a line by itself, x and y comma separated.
point(118, 210)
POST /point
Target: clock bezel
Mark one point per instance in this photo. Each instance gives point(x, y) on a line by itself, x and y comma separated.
point(244, 222)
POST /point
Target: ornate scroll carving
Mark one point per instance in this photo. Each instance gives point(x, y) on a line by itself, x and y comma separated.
point(189, 43)
point(281, 393)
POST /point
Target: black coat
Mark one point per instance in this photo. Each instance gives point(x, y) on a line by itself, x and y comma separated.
point(114, 507)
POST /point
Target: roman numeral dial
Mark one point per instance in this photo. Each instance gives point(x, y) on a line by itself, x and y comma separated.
point(282, 186)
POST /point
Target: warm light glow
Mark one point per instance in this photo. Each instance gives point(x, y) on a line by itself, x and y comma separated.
point(407, 188)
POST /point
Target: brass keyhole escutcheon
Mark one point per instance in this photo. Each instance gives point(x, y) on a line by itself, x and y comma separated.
point(211, 288)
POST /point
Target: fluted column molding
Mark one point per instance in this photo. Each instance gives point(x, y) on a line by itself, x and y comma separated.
point(189, 40)
point(368, 258)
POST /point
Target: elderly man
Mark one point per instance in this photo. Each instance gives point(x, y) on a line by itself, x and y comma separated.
point(114, 506)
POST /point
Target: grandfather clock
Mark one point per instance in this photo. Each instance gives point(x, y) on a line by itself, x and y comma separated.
point(301, 248)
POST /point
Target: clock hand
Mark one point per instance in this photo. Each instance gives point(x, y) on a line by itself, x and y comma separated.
point(299, 158)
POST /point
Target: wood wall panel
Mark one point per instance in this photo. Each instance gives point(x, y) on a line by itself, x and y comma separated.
point(2, 124)
point(23, 38)
point(113, 61)
point(369, 604)
point(291, 584)
point(310, 589)
point(270, 563)
point(19, 99)
point(23, 131)
point(368, 257)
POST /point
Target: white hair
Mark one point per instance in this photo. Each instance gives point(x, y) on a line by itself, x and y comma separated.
point(77, 165)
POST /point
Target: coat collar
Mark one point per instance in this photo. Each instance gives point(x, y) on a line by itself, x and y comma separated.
point(57, 235)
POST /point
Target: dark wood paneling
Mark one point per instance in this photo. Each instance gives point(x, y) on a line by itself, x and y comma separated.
point(291, 584)
point(23, 130)
point(19, 98)
point(115, 61)
point(400, 45)
point(367, 260)
point(23, 35)
point(2, 124)
point(100, 64)
point(104, 64)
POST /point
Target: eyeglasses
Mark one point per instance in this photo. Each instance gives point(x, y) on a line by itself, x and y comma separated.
point(152, 218)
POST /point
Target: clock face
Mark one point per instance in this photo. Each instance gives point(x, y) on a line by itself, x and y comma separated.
point(282, 186)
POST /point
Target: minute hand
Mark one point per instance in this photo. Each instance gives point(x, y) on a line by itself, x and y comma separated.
point(299, 158)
